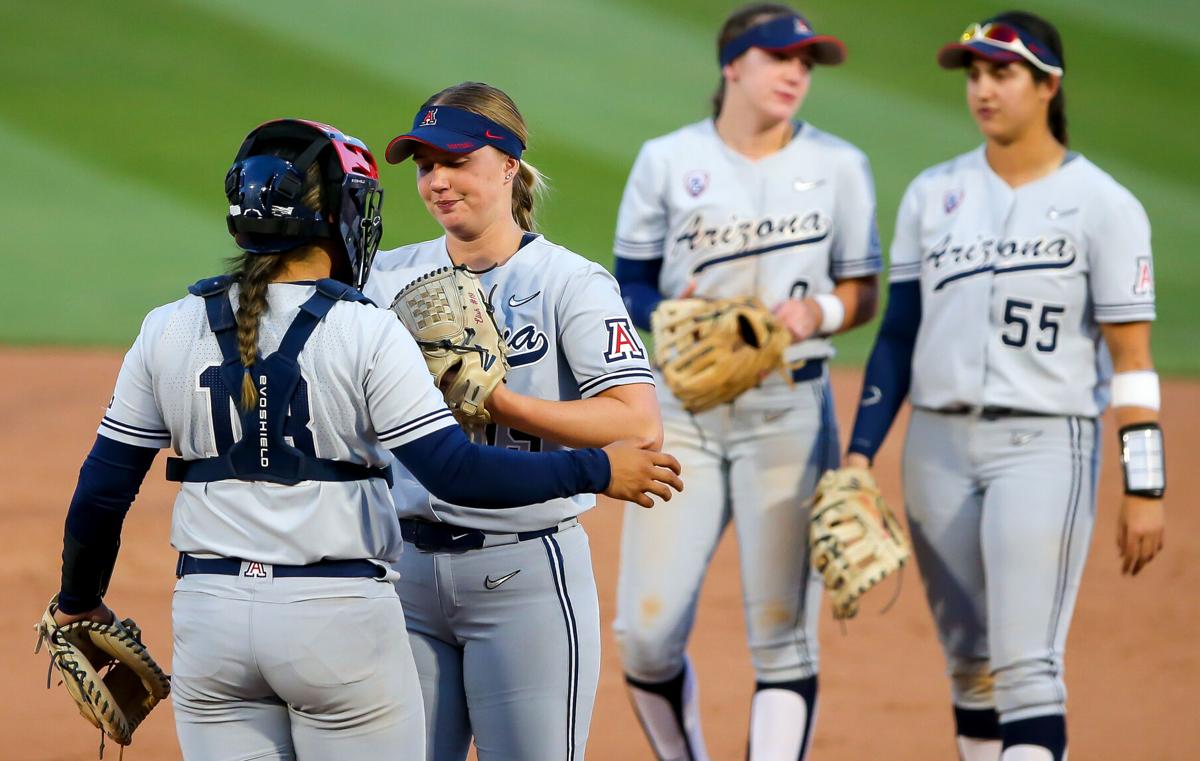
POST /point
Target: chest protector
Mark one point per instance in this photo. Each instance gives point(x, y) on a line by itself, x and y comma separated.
point(262, 453)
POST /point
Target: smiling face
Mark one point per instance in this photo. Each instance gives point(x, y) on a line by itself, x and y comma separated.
point(1006, 101)
point(467, 193)
point(772, 84)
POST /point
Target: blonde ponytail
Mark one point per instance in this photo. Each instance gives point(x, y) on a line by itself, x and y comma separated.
point(529, 185)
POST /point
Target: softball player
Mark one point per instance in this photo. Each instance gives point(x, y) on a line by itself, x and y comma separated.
point(1010, 264)
point(289, 637)
point(502, 607)
point(747, 203)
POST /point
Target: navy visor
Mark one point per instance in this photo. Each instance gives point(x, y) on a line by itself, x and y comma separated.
point(454, 130)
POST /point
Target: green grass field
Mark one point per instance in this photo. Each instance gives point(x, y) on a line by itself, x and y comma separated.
point(118, 121)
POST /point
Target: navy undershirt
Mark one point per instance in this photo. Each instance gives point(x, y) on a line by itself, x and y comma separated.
point(445, 462)
point(889, 370)
point(638, 279)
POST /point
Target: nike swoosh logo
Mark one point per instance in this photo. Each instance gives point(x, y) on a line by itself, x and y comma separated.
point(514, 302)
point(1056, 213)
point(1021, 438)
point(488, 133)
point(456, 537)
point(872, 396)
point(491, 583)
point(802, 185)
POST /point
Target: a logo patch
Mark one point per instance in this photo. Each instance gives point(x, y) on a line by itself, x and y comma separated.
point(953, 199)
point(622, 341)
point(514, 302)
point(430, 118)
point(1053, 213)
point(695, 182)
point(1143, 284)
point(491, 583)
point(255, 570)
point(801, 27)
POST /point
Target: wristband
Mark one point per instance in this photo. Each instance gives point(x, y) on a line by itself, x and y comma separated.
point(1138, 388)
point(1143, 460)
point(833, 313)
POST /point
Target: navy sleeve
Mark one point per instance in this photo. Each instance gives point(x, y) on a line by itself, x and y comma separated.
point(455, 470)
point(638, 279)
point(889, 369)
point(108, 482)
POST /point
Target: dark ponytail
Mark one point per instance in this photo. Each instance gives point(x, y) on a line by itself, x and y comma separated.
point(1047, 33)
point(735, 24)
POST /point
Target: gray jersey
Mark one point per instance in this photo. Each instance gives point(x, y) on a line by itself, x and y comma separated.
point(786, 226)
point(365, 388)
point(569, 337)
point(1015, 282)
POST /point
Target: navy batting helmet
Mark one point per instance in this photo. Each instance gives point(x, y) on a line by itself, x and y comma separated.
point(265, 213)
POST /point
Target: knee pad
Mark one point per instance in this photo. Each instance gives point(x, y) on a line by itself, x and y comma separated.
point(1029, 688)
point(972, 683)
point(648, 653)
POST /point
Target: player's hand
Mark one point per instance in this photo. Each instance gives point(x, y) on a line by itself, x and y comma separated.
point(638, 472)
point(802, 318)
point(101, 613)
point(1140, 528)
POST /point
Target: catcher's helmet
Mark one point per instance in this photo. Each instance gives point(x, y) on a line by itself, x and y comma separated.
point(265, 216)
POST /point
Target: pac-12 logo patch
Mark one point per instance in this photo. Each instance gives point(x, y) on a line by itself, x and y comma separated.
point(695, 182)
point(430, 118)
point(1143, 284)
point(622, 341)
point(952, 199)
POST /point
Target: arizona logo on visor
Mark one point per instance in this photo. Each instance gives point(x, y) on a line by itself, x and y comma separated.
point(454, 130)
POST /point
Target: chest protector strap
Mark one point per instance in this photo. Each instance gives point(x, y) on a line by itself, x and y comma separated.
point(262, 453)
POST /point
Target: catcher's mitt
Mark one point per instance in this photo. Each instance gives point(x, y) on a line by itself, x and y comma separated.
point(450, 317)
point(117, 700)
point(710, 352)
point(855, 539)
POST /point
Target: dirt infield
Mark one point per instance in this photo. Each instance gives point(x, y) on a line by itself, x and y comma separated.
point(1133, 664)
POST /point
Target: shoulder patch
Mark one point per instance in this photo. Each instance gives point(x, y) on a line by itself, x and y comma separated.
point(1143, 283)
point(622, 341)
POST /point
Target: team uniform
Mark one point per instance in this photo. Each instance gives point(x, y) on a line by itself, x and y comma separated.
point(1005, 290)
point(322, 660)
point(501, 604)
point(789, 225)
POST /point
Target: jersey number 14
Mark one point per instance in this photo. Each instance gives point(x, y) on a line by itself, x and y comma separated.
point(222, 413)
